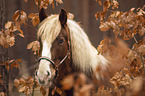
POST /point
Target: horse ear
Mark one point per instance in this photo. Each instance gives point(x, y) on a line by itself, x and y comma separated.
point(42, 14)
point(63, 17)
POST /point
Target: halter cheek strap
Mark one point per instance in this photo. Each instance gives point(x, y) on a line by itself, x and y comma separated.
point(65, 57)
point(53, 64)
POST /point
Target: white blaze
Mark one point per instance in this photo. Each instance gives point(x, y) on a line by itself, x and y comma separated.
point(44, 65)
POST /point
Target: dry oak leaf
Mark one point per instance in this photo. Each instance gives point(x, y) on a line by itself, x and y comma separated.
point(67, 82)
point(22, 89)
point(8, 24)
point(35, 46)
point(20, 16)
point(43, 91)
point(16, 83)
point(35, 18)
point(104, 26)
point(16, 64)
point(2, 94)
point(100, 3)
point(59, 1)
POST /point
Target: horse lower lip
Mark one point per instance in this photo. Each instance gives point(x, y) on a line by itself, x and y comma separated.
point(46, 85)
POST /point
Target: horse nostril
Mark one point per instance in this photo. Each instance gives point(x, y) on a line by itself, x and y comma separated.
point(36, 73)
point(48, 73)
point(41, 82)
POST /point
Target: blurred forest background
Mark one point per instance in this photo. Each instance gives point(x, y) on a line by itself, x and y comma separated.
point(84, 12)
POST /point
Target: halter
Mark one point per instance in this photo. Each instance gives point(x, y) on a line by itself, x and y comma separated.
point(65, 57)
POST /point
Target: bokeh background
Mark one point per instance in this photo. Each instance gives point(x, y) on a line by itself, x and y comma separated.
point(84, 12)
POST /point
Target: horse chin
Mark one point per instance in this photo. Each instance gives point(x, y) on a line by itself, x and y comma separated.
point(47, 84)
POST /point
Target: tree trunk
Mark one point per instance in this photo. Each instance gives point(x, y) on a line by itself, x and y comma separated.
point(3, 53)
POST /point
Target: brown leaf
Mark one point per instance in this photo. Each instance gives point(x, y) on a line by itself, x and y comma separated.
point(51, 1)
point(16, 82)
point(59, 1)
point(35, 45)
point(70, 16)
point(106, 5)
point(2, 94)
point(8, 24)
point(115, 4)
point(141, 12)
point(43, 91)
point(26, 0)
point(67, 82)
point(136, 85)
point(19, 60)
point(35, 21)
point(23, 17)
point(85, 90)
point(141, 49)
point(10, 40)
point(100, 3)
point(104, 26)
point(132, 9)
point(22, 89)
point(141, 31)
point(97, 15)
point(16, 15)
point(15, 64)
point(32, 15)
point(21, 35)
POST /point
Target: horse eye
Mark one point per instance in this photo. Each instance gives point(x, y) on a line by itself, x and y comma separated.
point(61, 41)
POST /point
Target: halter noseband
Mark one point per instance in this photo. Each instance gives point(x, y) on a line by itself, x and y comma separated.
point(66, 56)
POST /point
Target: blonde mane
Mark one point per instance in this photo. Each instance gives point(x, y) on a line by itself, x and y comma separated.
point(84, 54)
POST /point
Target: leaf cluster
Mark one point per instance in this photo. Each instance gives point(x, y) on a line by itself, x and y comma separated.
point(128, 81)
point(25, 85)
point(7, 35)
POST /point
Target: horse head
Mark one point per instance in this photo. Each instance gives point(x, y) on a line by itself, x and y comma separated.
point(54, 52)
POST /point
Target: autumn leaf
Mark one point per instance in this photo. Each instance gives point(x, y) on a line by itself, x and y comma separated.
point(16, 15)
point(51, 1)
point(97, 15)
point(22, 89)
point(20, 16)
point(16, 83)
point(141, 31)
point(26, 0)
point(35, 46)
point(21, 35)
point(8, 24)
point(106, 5)
point(23, 17)
point(70, 16)
point(15, 64)
point(115, 4)
point(35, 18)
point(2, 94)
point(104, 26)
point(141, 49)
point(19, 60)
point(68, 82)
point(43, 91)
point(59, 1)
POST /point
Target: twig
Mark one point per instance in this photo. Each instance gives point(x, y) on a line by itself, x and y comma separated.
point(34, 76)
point(135, 39)
point(142, 63)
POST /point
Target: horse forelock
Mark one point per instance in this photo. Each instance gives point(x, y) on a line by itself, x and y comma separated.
point(84, 54)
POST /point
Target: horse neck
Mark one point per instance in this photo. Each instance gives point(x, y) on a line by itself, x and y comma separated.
point(65, 69)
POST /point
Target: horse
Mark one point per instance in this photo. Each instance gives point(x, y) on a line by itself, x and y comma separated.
point(65, 49)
